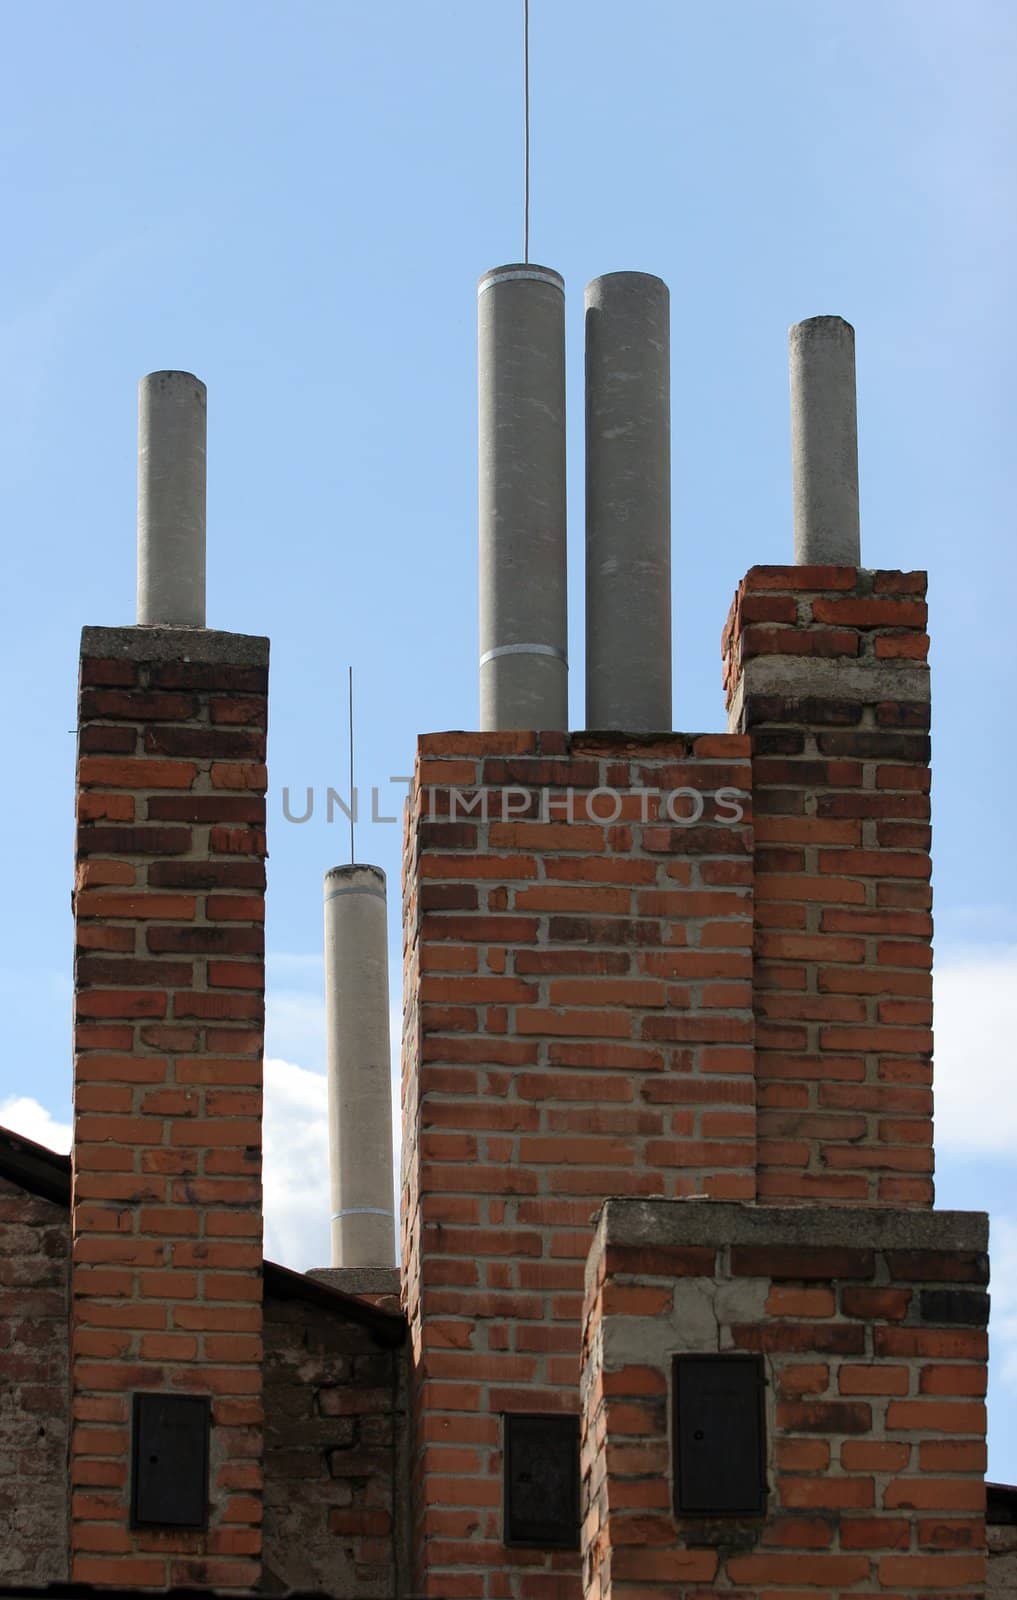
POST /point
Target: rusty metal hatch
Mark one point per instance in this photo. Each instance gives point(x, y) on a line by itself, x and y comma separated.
point(169, 1461)
point(719, 1435)
point(542, 1481)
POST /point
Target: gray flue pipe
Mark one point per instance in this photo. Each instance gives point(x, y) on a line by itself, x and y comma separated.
point(359, 1068)
point(171, 500)
point(523, 605)
point(628, 503)
point(824, 443)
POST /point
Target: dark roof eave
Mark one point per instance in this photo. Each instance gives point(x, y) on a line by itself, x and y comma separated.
point(388, 1327)
point(41, 1171)
point(1000, 1504)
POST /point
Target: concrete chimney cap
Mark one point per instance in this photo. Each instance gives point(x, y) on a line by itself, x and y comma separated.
point(617, 280)
point(172, 375)
point(355, 866)
point(355, 878)
point(810, 326)
point(521, 271)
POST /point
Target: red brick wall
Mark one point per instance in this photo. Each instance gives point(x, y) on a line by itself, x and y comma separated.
point(34, 1251)
point(825, 671)
point(875, 1347)
point(578, 1022)
point(336, 1509)
point(613, 1004)
point(169, 982)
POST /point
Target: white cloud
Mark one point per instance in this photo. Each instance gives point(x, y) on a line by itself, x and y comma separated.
point(26, 1116)
point(295, 1008)
point(295, 1027)
point(297, 1200)
point(296, 1166)
point(975, 1018)
point(1003, 1255)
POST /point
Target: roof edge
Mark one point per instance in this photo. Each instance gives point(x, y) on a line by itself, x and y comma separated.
point(37, 1168)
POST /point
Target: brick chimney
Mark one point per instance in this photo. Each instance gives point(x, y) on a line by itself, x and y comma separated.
point(649, 969)
point(166, 1202)
point(578, 943)
point(826, 674)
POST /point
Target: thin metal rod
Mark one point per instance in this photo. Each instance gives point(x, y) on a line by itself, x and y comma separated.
point(526, 130)
point(353, 792)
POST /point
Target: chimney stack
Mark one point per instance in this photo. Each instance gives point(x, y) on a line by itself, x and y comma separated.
point(628, 503)
point(166, 1198)
point(824, 443)
point(359, 1071)
point(523, 603)
point(172, 411)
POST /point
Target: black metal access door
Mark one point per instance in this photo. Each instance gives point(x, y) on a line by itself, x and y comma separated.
point(719, 1436)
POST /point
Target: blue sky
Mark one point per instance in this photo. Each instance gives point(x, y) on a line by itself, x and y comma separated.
point(295, 202)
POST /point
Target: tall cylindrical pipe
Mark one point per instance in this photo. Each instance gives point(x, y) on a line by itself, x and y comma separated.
point(628, 503)
point(824, 443)
point(359, 1069)
point(171, 500)
point(523, 605)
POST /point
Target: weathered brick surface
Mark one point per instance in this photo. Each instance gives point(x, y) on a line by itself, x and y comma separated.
point(578, 1022)
point(169, 981)
point(336, 1455)
point(825, 672)
point(34, 1252)
point(601, 1001)
point(875, 1414)
point(1002, 1575)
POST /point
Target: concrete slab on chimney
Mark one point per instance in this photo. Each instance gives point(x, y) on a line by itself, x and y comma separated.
point(359, 1280)
point(206, 645)
point(682, 1223)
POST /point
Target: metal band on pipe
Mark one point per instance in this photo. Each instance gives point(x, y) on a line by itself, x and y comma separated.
point(512, 274)
point(379, 894)
point(360, 1211)
point(524, 650)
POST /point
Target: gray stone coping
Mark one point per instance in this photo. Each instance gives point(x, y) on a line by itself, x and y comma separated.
point(358, 1280)
point(717, 1223)
point(205, 645)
